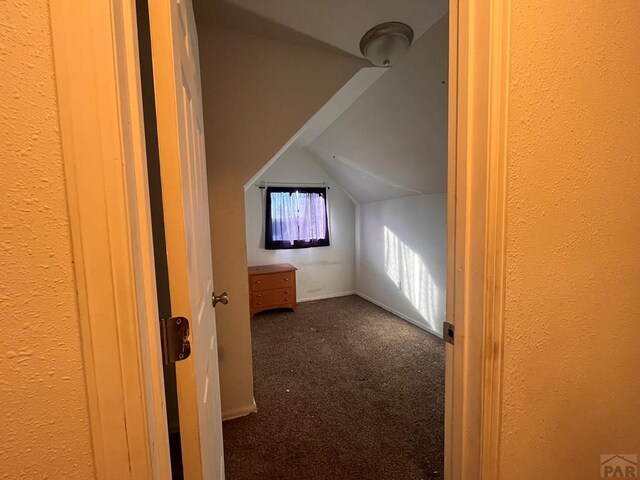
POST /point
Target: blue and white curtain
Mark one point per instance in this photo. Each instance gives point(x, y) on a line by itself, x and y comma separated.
point(296, 218)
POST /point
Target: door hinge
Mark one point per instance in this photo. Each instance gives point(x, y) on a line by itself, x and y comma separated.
point(174, 336)
point(449, 332)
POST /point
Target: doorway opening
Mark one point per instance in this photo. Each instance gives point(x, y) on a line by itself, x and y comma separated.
point(373, 142)
point(375, 139)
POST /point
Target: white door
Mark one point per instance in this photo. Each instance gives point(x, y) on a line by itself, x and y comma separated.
point(174, 46)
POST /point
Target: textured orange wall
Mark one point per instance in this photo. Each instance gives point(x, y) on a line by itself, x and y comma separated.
point(44, 424)
point(572, 355)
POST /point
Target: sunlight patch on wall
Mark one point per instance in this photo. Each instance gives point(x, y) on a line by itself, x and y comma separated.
point(408, 271)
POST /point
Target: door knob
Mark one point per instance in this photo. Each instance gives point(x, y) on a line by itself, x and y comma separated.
point(223, 298)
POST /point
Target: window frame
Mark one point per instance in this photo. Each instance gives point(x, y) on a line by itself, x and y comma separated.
point(270, 244)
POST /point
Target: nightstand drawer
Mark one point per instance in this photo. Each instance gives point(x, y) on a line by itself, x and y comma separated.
point(272, 281)
point(266, 298)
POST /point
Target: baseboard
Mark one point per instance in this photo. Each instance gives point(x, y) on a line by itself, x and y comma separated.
point(323, 297)
point(413, 321)
point(239, 412)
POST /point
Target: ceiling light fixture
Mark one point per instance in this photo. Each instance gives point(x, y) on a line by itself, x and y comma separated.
point(385, 43)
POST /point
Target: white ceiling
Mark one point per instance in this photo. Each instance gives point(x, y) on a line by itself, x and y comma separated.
point(338, 23)
point(384, 134)
point(330, 111)
point(392, 141)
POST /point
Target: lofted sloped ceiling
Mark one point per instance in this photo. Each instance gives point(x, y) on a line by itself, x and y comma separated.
point(338, 23)
point(392, 141)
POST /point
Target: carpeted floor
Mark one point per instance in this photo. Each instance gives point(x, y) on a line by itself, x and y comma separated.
point(345, 390)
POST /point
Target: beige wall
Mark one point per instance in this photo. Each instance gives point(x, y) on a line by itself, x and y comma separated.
point(44, 429)
point(572, 357)
point(257, 93)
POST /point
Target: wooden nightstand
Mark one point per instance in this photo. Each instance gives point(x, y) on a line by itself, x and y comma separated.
point(272, 286)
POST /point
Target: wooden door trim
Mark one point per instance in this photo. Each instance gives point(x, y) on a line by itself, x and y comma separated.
point(162, 38)
point(478, 102)
point(97, 75)
point(496, 252)
point(174, 50)
point(168, 124)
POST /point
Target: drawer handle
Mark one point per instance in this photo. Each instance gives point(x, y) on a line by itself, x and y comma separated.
point(258, 281)
point(286, 292)
point(286, 299)
point(286, 279)
point(259, 303)
point(259, 295)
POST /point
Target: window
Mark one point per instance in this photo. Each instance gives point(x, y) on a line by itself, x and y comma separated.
point(296, 218)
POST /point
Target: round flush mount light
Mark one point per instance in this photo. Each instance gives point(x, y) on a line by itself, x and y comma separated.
point(387, 42)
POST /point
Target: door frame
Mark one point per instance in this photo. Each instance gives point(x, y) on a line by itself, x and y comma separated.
point(100, 104)
point(476, 250)
point(95, 51)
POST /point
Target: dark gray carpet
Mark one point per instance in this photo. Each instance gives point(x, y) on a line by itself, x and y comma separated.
point(345, 390)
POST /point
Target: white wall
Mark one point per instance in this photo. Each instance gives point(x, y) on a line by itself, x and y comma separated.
point(324, 271)
point(402, 116)
point(401, 257)
point(401, 233)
